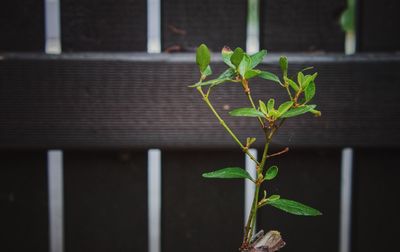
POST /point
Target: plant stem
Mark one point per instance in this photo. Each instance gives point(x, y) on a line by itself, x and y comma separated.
point(222, 122)
point(247, 91)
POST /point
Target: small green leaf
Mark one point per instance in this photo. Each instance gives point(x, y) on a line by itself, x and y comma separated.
point(269, 76)
point(347, 19)
point(237, 56)
point(263, 108)
point(283, 62)
point(251, 73)
point(294, 207)
point(309, 92)
point(229, 173)
point(292, 84)
point(308, 79)
point(273, 197)
point(316, 113)
point(250, 112)
point(213, 82)
point(203, 57)
point(271, 172)
point(257, 58)
point(298, 111)
point(300, 79)
point(208, 71)
point(284, 107)
point(250, 141)
point(270, 105)
point(226, 56)
point(228, 73)
point(244, 65)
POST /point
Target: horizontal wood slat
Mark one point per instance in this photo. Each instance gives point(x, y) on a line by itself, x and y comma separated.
point(138, 101)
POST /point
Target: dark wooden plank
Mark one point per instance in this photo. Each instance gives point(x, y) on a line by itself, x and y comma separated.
point(140, 102)
point(377, 23)
point(22, 26)
point(199, 214)
point(105, 201)
point(311, 176)
point(23, 201)
point(375, 214)
point(296, 25)
point(93, 25)
point(186, 24)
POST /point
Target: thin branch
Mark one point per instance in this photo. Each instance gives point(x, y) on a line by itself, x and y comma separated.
point(279, 153)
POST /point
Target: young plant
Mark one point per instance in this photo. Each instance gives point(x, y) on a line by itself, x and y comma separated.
point(241, 68)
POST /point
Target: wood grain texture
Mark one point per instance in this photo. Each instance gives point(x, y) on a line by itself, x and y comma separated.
point(105, 200)
point(376, 23)
point(23, 201)
point(103, 25)
point(201, 214)
point(297, 25)
point(22, 26)
point(141, 102)
point(310, 176)
point(187, 24)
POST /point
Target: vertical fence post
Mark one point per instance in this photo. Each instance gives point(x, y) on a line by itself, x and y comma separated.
point(253, 26)
point(345, 200)
point(56, 200)
point(153, 26)
point(249, 187)
point(52, 27)
point(154, 200)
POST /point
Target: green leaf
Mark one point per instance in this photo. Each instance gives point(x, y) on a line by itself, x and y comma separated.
point(273, 197)
point(270, 105)
point(294, 207)
point(300, 79)
point(228, 73)
point(244, 65)
point(298, 111)
point(213, 82)
point(308, 79)
point(203, 57)
point(283, 62)
point(309, 92)
point(271, 172)
point(250, 112)
point(250, 141)
point(292, 84)
point(226, 56)
point(237, 56)
point(257, 58)
point(347, 19)
point(263, 108)
point(284, 107)
point(229, 173)
point(208, 71)
point(269, 76)
point(251, 73)
point(316, 113)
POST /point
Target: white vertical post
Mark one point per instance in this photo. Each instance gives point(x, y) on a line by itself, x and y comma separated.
point(345, 200)
point(56, 200)
point(249, 187)
point(253, 26)
point(154, 200)
point(153, 26)
point(52, 27)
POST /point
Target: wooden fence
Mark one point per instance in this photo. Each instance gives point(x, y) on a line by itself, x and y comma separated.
point(104, 102)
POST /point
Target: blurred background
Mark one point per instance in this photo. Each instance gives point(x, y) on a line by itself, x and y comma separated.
point(102, 145)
